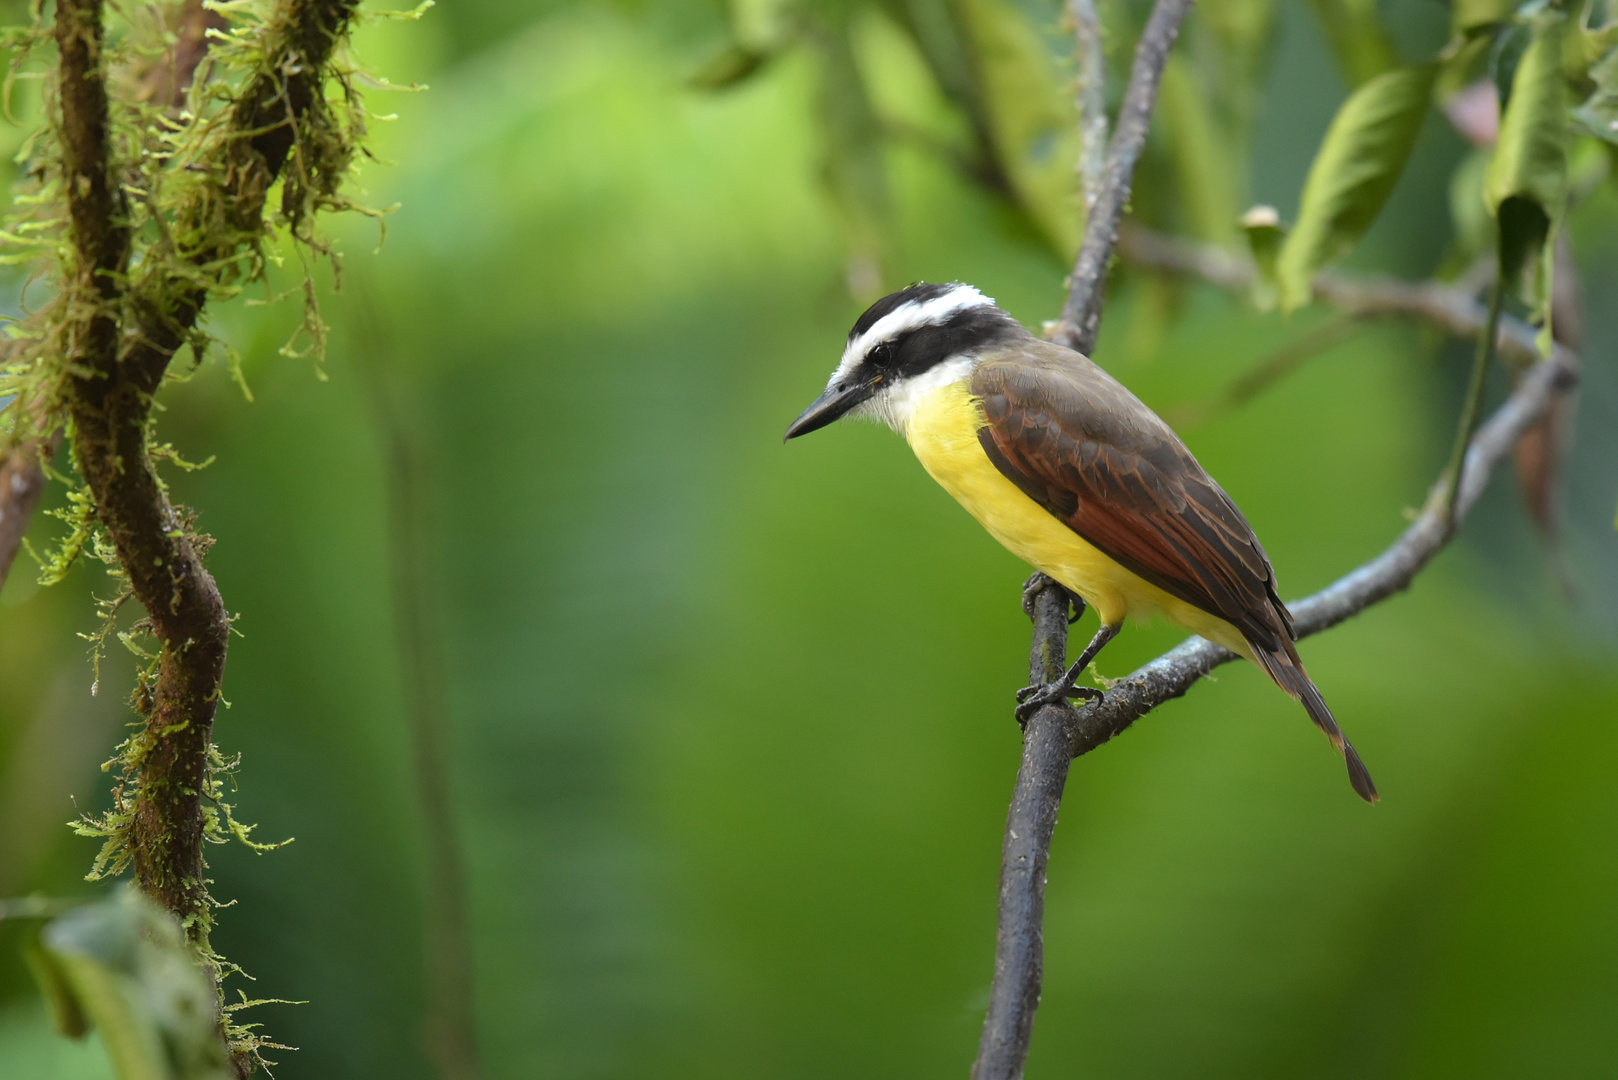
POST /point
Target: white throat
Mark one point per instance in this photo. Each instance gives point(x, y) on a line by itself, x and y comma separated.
point(897, 404)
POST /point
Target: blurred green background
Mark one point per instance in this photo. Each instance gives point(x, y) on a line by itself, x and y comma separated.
point(728, 724)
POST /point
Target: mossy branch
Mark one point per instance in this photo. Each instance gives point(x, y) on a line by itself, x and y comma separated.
point(118, 321)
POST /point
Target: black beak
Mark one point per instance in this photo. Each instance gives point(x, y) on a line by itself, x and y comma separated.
point(836, 401)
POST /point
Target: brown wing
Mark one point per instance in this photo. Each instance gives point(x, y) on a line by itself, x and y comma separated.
point(1091, 453)
point(1088, 451)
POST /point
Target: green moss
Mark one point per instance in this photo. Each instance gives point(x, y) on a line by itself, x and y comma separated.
point(205, 191)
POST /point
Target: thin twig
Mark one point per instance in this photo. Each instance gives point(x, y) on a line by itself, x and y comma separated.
point(1453, 309)
point(1090, 99)
point(451, 1027)
point(1081, 315)
point(1473, 404)
point(1267, 372)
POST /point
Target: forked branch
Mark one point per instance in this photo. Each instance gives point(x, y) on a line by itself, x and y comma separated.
point(117, 334)
point(1081, 315)
point(1058, 733)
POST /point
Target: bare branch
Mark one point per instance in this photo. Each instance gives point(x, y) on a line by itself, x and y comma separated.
point(1452, 308)
point(451, 1017)
point(1090, 99)
point(1081, 315)
point(1042, 775)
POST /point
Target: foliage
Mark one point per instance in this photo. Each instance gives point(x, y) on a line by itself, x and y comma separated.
point(1360, 160)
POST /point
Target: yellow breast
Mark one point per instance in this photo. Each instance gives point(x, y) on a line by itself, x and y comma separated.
point(942, 430)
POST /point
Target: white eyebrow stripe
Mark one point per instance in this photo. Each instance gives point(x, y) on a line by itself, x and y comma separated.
point(908, 317)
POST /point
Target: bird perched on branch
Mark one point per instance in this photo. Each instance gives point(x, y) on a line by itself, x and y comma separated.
point(1074, 475)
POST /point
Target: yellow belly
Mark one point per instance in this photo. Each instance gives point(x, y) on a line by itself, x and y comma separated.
point(943, 431)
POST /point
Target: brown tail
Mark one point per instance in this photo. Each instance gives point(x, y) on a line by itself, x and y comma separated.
point(1287, 670)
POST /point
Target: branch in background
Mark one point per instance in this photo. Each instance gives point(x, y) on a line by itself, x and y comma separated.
point(169, 81)
point(447, 921)
point(1042, 775)
point(1452, 309)
point(1081, 315)
point(22, 481)
point(1090, 99)
point(1268, 371)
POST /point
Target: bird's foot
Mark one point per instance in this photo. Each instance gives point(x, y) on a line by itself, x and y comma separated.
point(1031, 699)
point(1038, 583)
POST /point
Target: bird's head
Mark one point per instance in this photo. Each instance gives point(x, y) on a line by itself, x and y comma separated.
point(907, 344)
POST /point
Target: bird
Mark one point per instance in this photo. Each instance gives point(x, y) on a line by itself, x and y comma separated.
point(1074, 475)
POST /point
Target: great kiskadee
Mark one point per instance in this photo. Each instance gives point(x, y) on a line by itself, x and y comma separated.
point(1074, 475)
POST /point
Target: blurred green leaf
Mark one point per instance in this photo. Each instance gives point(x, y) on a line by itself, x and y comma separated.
point(733, 64)
point(1526, 185)
point(855, 172)
point(123, 966)
point(1203, 158)
point(1504, 57)
point(1596, 42)
point(1355, 170)
point(1470, 15)
point(1358, 40)
point(1470, 222)
point(1032, 122)
point(1598, 114)
point(67, 1015)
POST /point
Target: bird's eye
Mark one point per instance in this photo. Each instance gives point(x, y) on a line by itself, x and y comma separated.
point(881, 356)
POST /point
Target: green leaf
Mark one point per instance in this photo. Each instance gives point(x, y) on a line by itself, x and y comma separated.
point(125, 967)
point(1355, 170)
point(1201, 153)
point(1505, 55)
point(730, 66)
point(67, 1014)
point(1469, 15)
point(1598, 115)
point(1032, 122)
point(1526, 185)
point(855, 171)
point(1357, 38)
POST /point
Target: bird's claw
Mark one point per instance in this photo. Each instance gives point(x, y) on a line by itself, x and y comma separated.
point(1038, 583)
point(1031, 589)
point(1033, 698)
